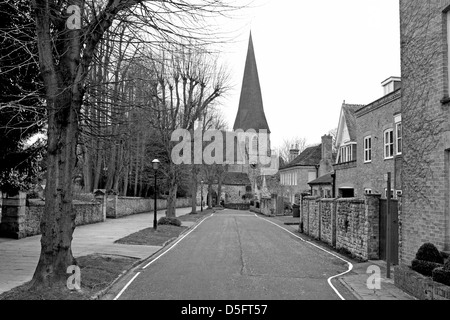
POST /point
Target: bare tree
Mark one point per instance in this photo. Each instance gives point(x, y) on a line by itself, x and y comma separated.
point(291, 143)
point(68, 44)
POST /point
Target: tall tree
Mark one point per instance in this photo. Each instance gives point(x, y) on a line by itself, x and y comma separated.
point(68, 34)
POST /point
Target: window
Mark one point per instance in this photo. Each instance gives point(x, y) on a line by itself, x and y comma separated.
point(368, 191)
point(389, 144)
point(346, 154)
point(398, 142)
point(368, 149)
point(399, 193)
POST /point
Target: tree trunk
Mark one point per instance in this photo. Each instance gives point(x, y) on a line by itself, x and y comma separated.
point(172, 198)
point(64, 95)
point(194, 189)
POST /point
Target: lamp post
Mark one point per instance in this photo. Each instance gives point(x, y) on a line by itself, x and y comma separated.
point(201, 197)
point(155, 164)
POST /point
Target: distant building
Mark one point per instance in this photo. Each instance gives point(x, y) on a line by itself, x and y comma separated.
point(239, 181)
point(304, 168)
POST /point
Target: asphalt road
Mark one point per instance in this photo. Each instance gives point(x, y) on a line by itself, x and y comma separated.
point(236, 255)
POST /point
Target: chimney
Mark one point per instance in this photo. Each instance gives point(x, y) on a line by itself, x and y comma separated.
point(294, 152)
point(391, 84)
point(327, 147)
point(325, 165)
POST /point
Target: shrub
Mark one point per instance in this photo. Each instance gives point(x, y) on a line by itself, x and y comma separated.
point(429, 252)
point(447, 265)
point(442, 276)
point(169, 221)
point(425, 267)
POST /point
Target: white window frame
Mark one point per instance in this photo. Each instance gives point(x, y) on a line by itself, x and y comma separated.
point(367, 191)
point(398, 140)
point(367, 150)
point(388, 144)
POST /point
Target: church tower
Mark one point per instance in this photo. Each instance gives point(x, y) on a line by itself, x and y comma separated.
point(250, 115)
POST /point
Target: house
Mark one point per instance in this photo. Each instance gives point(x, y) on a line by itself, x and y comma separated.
point(379, 137)
point(369, 143)
point(346, 144)
point(304, 168)
point(425, 103)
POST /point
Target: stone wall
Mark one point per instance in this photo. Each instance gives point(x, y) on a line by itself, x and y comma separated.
point(22, 217)
point(352, 224)
point(328, 221)
point(118, 207)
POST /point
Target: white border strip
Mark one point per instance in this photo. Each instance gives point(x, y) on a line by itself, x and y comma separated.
point(125, 288)
point(350, 265)
point(170, 248)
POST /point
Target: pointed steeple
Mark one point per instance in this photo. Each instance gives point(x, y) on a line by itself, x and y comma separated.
point(251, 111)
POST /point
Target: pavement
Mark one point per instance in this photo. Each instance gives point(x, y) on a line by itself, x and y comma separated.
point(19, 258)
point(356, 280)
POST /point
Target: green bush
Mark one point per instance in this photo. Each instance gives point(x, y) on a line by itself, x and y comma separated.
point(169, 221)
point(429, 252)
point(442, 276)
point(425, 267)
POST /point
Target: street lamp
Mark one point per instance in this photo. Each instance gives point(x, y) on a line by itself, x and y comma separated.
point(155, 165)
point(201, 198)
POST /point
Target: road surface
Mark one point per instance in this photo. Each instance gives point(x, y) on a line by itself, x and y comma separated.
point(235, 255)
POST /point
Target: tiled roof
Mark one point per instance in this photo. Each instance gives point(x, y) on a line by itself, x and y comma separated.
point(236, 179)
point(326, 179)
point(251, 111)
point(350, 117)
point(310, 157)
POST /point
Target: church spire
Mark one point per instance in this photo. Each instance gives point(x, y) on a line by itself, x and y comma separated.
point(251, 111)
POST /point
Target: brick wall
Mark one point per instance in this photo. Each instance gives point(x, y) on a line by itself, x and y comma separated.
point(425, 169)
point(347, 177)
point(372, 121)
point(352, 224)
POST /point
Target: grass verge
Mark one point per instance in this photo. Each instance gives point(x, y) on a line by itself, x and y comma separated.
point(97, 273)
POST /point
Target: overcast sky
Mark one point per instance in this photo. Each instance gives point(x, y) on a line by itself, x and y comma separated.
point(311, 56)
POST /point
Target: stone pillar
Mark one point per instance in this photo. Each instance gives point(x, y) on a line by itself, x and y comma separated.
point(372, 225)
point(13, 215)
point(100, 195)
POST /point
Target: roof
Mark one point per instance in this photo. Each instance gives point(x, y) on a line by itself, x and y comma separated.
point(310, 157)
point(251, 111)
point(236, 179)
point(350, 117)
point(326, 179)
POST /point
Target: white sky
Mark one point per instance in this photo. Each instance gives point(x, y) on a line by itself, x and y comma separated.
point(311, 56)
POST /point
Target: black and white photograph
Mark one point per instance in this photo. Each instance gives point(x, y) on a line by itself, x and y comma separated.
point(224, 158)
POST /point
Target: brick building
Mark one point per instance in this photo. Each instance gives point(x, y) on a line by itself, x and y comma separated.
point(369, 143)
point(346, 144)
point(425, 101)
